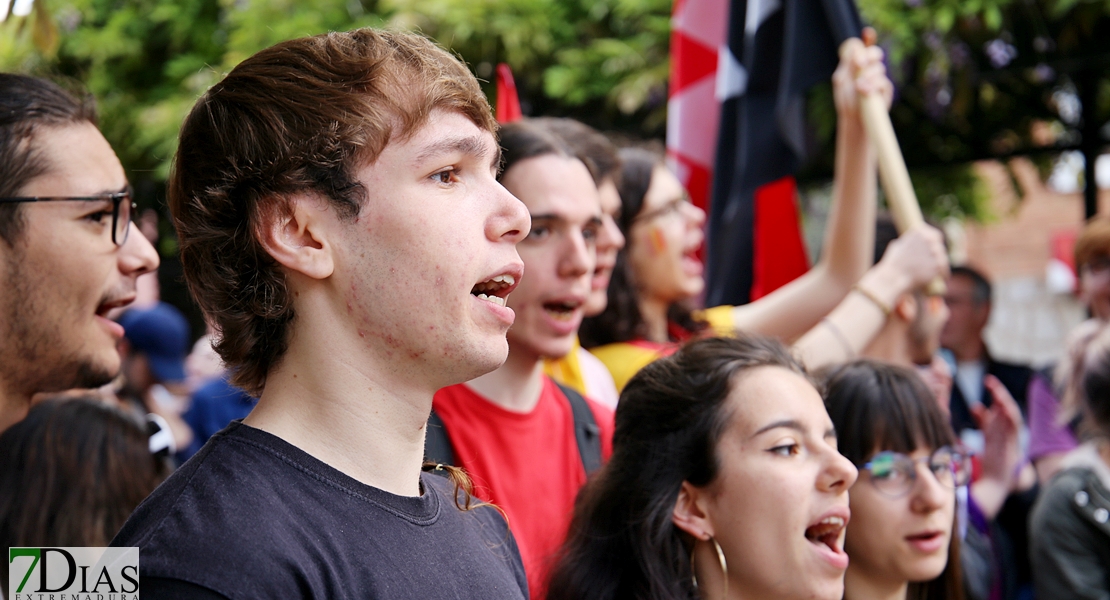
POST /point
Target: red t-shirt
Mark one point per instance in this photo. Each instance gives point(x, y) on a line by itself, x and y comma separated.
point(526, 463)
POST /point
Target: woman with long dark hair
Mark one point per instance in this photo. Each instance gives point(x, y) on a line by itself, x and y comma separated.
point(901, 539)
point(659, 273)
point(724, 482)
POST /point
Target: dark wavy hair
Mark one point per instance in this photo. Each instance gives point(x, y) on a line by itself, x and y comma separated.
point(71, 473)
point(622, 541)
point(26, 104)
point(874, 405)
point(300, 116)
point(621, 321)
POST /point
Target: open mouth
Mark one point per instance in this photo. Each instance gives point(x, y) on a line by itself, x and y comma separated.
point(562, 310)
point(495, 289)
point(108, 305)
point(827, 532)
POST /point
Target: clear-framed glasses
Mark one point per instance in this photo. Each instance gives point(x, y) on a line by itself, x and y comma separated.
point(671, 207)
point(122, 208)
point(894, 474)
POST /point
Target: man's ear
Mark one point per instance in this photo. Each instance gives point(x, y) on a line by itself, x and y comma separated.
point(297, 238)
point(906, 307)
point(689, 513)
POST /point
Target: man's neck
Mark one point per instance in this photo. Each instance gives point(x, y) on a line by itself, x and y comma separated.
point(654, 313)
point(355, 413)
point(891, 345)
point(971, 352)
point(858, 586)
point(13, 407)
point(515, 386)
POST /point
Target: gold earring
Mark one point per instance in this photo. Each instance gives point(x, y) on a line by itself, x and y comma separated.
point(724, 564)
point(720, 559)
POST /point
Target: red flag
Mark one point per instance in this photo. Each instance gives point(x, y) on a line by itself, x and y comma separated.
point(780, 254)
point(508, 104)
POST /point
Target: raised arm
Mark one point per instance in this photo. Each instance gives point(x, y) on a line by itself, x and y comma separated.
point(849, 236)
point(910, 262)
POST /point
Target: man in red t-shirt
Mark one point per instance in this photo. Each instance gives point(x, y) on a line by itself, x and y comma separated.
point(513, 430)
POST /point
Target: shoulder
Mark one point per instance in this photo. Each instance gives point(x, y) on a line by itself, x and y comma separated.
point(719, 318)
point(1075, 496)
point(218, 390)
point(599, 382)
point(477, 529)
point(625, 359)
point(1011, 374)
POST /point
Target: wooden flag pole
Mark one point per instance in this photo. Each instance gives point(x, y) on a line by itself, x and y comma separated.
point(900, 197)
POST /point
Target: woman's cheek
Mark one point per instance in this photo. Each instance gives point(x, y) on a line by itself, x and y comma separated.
point(657, 240)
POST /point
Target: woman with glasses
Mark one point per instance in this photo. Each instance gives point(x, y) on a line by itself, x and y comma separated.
point(901, 538)
point(724, 482)
point(659, 272)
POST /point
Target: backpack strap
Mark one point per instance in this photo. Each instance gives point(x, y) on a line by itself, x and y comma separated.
point(437, 444)
point(586, 431)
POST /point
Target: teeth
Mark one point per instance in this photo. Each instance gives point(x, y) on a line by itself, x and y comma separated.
point(506, 279)
point(837, 521)
point(494, 299)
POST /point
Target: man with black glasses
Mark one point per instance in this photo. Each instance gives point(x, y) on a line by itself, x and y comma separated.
point(66, 256)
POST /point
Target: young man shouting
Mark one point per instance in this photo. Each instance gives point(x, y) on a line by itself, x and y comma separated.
point(68, 251)
point(341, 224)
point(527, 442)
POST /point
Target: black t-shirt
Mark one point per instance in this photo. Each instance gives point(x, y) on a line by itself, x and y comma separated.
point(252, 516)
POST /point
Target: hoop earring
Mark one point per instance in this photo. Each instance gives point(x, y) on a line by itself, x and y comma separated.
point(720, 559)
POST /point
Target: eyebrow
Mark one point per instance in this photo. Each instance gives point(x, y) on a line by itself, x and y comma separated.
point(790, 424)
point(471, 145)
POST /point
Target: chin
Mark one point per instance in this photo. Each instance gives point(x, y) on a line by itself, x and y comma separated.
point(833, 589)
point(929, 569)
point(477, 361)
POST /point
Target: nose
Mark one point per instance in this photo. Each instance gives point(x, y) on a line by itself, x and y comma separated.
point(929, 494)
point(837, 474)
point(695, 216)
point(511, 221)
point(609, 235)
point(137, 255)
point(579, 256)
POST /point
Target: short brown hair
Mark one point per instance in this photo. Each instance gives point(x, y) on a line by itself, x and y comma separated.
point(300, 116)
point(27, 103)
point(1093, 241)
point(599, 154)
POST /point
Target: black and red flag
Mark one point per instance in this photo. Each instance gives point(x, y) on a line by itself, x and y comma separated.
point(774, 51)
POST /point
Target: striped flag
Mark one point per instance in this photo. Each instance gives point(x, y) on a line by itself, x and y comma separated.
point(767, 56)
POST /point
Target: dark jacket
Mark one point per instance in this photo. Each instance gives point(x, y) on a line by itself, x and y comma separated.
point(1016, 378)
point(1070, 530)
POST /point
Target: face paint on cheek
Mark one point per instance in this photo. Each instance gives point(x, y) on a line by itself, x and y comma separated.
point(658, 240)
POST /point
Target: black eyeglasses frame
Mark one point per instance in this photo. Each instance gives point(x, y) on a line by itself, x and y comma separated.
point(117, 199)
